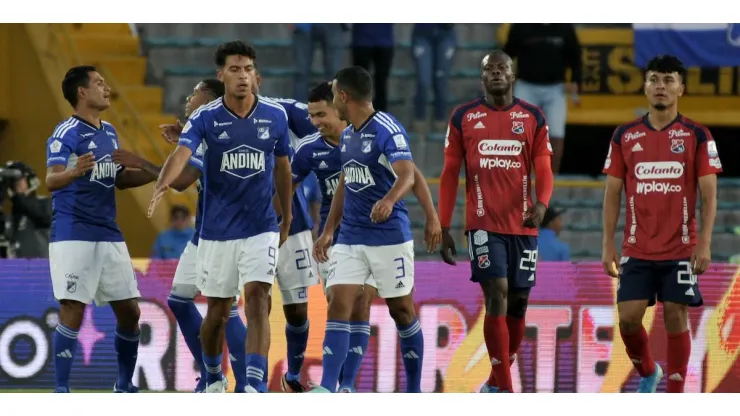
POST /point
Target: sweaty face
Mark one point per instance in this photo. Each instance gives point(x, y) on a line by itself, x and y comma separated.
point(237, 75)
point(97, 92)
point(340, 100)
point(324, 117)
point(663, 89)
point(199, 97)
point(496, 74)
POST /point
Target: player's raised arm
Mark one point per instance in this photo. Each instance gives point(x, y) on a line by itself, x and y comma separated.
point(284, 181)
point(708, 166)
point(432, 229)
point(542, 154)
point(59, 151)
point(615, 170)
point(448, 183)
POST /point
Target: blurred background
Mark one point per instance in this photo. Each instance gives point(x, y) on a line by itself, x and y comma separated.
point(422, 71)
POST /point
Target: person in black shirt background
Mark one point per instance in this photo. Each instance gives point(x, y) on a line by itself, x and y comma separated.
point(544, 51)
point(31, 215)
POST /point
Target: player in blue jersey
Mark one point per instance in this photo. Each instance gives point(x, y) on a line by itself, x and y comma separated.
point(320, 154)
point(87, 254)
point(375, 234)
point(246, 147)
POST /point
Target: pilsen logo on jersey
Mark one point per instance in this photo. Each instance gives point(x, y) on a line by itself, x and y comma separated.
point(243, 161)
point(633, 136)
point(332, 182)
point(357, 176)
point(104, 172)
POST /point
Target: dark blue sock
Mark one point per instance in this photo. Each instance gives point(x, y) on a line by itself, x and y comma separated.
point(265, 378)
point(359, 337)
point(297, 337)
point(256, 369)
point(127, 348)
point(236, 340)
point(336, 344)
point(65, 345)
point(189, 320)
point(412, 351)
point(213, 368)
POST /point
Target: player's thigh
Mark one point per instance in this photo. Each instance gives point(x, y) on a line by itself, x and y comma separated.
point(528, 92)
point(185, 273)
point(677, 283)
point(296, 267)
point(258, 258)
point(555, 106)
point(392, 267)
point(522, 266)
point(637, 281)
point(75, 270)
point(118, 277)
point(347, 266)
point(216, 268)
point(488, 256)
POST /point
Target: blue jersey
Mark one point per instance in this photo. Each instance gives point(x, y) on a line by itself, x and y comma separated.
point(299, 125)
point(367, 155)
point(196, 161)
point(315, 154)
point(86, 209)
point(238, 163)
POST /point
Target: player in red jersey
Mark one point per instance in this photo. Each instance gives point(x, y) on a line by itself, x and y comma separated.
point(660, 160)
point(499, 138)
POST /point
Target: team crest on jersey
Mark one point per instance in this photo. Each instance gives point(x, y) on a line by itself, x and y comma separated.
point(243, 161)
point(71, 286)
point(263, 133)
point(367, 146)
point(483, 262)
point(677, 146)
point(357, 176)
point(517, 127)
point(104, 172)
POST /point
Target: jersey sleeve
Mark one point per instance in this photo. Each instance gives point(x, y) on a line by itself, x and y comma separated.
point(541, 145)
point(196, 160)
point(194, 132)
point(300, 123)
point(707, 157)
point(311, 189)
point(58, 150)
point(282, 145)
point(453, 139)
point(614, 164)
point(300, 165)
point(395, 146)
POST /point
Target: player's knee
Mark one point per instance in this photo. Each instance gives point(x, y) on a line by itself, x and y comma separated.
point(341, 302)
point(184, 291)
point(71, 313)
point(361, 308)
point(401, 309)
point(676, 317)
point(517, 305)
point(128, 314)
point(257, 299)
point(296, 314)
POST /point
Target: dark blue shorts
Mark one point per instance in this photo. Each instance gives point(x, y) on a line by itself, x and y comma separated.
point(497, 256)
point(666, 280)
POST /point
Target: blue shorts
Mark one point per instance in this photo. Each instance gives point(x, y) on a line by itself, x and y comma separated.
point(498, 256)
point(666, 280)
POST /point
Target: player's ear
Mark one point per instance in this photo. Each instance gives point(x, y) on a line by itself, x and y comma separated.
point(220, 74)
point(681, 89)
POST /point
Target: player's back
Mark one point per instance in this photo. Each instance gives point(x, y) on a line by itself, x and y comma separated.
point(660, 169)
point(299, 122)
point(317, 155)
point(499, 147)
point(86, 209)
point(238, 164)
point(367, 155)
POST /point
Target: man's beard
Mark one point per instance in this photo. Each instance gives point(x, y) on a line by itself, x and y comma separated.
point(660, 107)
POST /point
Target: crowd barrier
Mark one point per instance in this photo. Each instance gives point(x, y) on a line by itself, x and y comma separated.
point(569, 345)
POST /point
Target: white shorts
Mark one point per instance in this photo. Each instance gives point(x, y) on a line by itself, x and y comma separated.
point(87, 270)
point(184, 282)
point(297, 269)
point(324, 273)
point(391, 266)
point(224, 267)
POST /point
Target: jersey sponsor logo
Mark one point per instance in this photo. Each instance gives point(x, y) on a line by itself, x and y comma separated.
point(517, 127)
point(357, 176)
point(518, 114)
point(658, 170)
point(92, 145)
point(678, 133)
point(677, 146)
point(87, 134)
point(715, 163)
point(110, 133)
point(476, 115)
point(331, 183)
point(712, 148)
point(217, 124)
point(644, 188)
point(608, 161)
point(57, 159)
point(400, 142)
point(323, 165)
point(367, 136)
point(55, 146)
point(499, 163)
point(500, 147)
point(223, 136)
point(319, 154)
point(243, 161)
point(479, 125)
point(104, 172)
point(261, 121)
point(633, 136)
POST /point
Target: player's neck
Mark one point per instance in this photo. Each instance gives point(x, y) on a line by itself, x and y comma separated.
point(240, 106)
point(500, 101)
point(90, 115)
point(334, 137)
point(360, 115)
point(659, 119)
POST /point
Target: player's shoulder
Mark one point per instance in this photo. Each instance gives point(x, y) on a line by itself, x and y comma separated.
point(386, 125)
point(271, 106)
point(65, 131)
point(700, 131)
point(630, 130)
point(526, 110)
point(208, 109)
point(307, 143)
point(290, 103)
point(108, 127)
point(464, 108)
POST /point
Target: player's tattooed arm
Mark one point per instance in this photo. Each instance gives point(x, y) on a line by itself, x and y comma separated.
point(708, 193)
point(612, 206)
point(59, 176)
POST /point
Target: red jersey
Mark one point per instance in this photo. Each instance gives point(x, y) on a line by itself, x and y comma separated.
point(660, 169)
point(498, 147)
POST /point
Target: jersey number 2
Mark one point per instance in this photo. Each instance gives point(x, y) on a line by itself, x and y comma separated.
point(685, 275)
point(303, 259)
